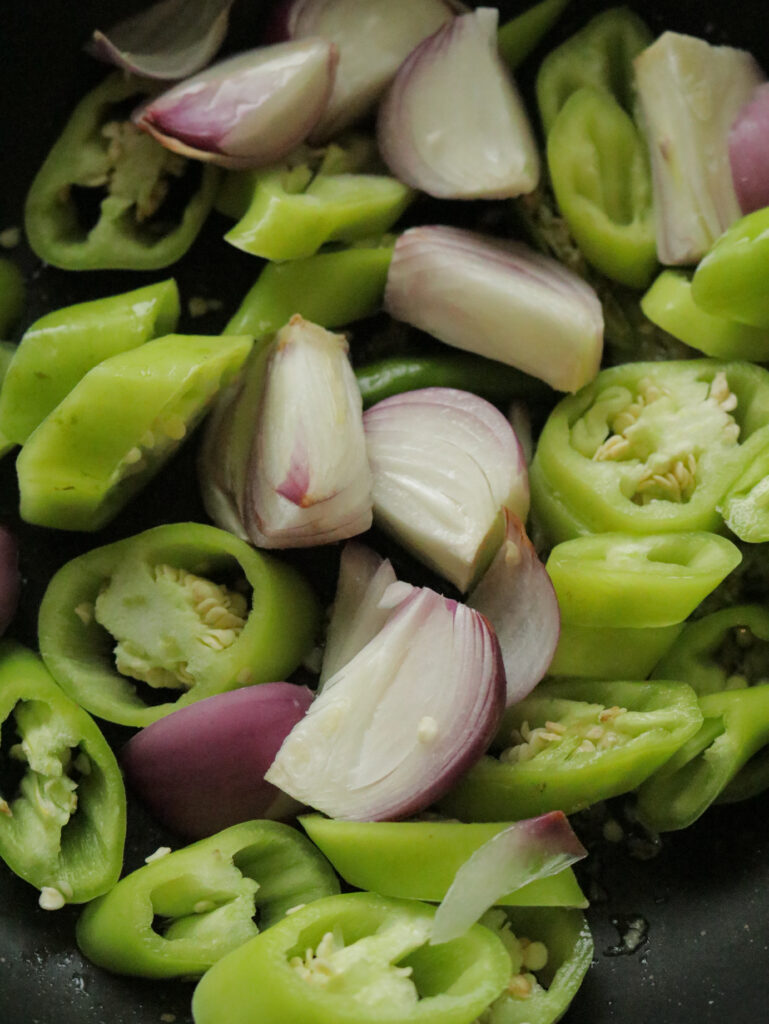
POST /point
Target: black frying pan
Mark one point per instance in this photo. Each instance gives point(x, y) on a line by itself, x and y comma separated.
point(703, 900)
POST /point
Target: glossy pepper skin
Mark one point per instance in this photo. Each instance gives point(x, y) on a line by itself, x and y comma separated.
point(730, 280)
point(611, 652)
point(517, 38)
point(649, 448)
point(99, 150)
point(12, 294)
point(279, 629)
point(269, 979)
point(603, 740)
point(419, 859)
point(207, 895)
point(599, 170)
point(57, 351)
point(7, 352)
point(63, 827)
point(119, 425)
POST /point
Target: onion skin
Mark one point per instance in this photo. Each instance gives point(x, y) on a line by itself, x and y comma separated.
point(10, 578)
point(201, 768)
point(749, 152)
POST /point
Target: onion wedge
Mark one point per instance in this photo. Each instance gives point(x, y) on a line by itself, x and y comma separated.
point(397, 725)
point(518, 599)
point(453, 123)
point(498, 299)
point(749, 151)
point(445, 465)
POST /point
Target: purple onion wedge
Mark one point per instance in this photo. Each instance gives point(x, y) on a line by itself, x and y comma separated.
point(249, 110)
point(201, 768)
point(445, 465)
point(749, 151)
point(170, 40)
point(452, 123)
point(373, 38)
point(397, 725)
point(10, 579)
point(524, 852)
point(517, 597)
point(499, 299)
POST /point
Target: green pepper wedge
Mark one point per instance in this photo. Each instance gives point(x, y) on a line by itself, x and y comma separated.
point(517, 38)
point(608, 652)
point(745, 506)
point(649, 448)
point(616, 579)
point(206, 896)
point(572, 743)
point(419, 859)
point(7, 352)
point(62, 826)
point(158, 591)
point(118, 426)
point(61, 347)
point(354, 959)
point(103, 154)
point(730, 280)
point(11, 295)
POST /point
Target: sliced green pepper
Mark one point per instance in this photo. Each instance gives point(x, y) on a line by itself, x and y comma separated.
point(118, 426)
point(735, 729)
point(330, 289)
point(11, 295)
point(669, 304)
point(573, 743)
point(61, 347)
point(179, 914)
point(599, 169)
point(616, 579)
point(175, 598)
point(539, 993)
point(517, 38)
point(599, 56)
point(355, 959)
point(730, 280)
point(745, 506)
point(62, 806)
point(419, 859)
point(102, 158)
point(649, 448)
point(7, 352)
point(605, 652)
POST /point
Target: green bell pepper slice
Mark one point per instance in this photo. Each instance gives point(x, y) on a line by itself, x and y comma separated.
point(608, 653)
point(7, 352)
point(62, 805)
point(419, 859)
point(599, 170)
point(330, 289)
point(572, 743)
point(539, 994)
point(102, 159)
point(599, 56)
point(12, 294)
point(670, 305)
point(730, 280)
point(745, 506)
point(734, 730)
point(520, 36)
point(649, 448)
point(119, 425)
point(61, 347)
point(179, 914)
point(355, 959)
point(616, 579)
point(176, 599)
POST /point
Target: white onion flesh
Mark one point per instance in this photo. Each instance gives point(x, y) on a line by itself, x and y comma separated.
point(396, 727)
point(373, 38)
point(169, 41)
point(453, 123)
point(526, 851)
point(247, 111)
point(749, 152)
point(498, 299)
point(517, 597)
point(445, 464)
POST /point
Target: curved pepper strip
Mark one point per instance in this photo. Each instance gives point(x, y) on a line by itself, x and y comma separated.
point(616, 579)
point(118, 426)
point(105, 155)
point(541, 996)
point(599, 169)
point(573, 743)
point(7, 352)
point(599, 56)
point(730, 280)
point(745, 507)
point(355, 959)
point(154, 610)
point(12, 293)
point(649, 448)
point(735, 729)
point(419, 859)
point(61, 347)
point(206, 895)
point(606, 652)
point(63, 828)
point(520, 36)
